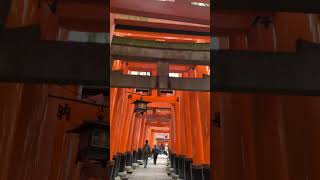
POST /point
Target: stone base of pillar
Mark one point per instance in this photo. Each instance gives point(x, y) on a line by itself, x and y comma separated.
point(181, 163)
point(128, 159)
point(135, 166)
point(206, 172)
point(187, 168)
point(122, 162)
point(176, 169)
point(110, 168)
point(196, 172)
point(173, 161)
point(123, 175)
point(117, 159)
point(134, 156)
point(91, 170)
point(140, 154)
point(140, 162)
point(175, 176)
point(129, 169)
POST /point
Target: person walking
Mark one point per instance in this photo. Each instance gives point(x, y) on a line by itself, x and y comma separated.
point(162, 149)
point(146, 153)
point(155, 152)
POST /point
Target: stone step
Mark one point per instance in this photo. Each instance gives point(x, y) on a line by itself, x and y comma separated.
point(129, 169)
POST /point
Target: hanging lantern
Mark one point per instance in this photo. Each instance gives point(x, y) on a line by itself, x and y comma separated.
point(94, 140)
point(140, 106)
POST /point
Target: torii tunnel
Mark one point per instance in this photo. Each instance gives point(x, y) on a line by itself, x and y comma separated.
point(160, 55)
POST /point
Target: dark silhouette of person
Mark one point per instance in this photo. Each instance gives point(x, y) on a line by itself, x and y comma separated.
point(146, 153)
point(155, 152)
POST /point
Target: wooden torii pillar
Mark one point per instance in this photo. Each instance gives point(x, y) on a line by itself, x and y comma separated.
point(258, 127)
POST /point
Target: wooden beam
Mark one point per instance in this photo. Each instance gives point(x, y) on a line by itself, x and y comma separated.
point(154, 117)
point(133, 53)
point(177, 11)
point(190, 84)
point(280, 73)
point(184, 84)
point(162, 25)
point(117, 79)
point(224, 23)
point(307, 6)
point(160, 45)
point(162, 30)
point(160, 131)
point(158, 124)
point(25, 58)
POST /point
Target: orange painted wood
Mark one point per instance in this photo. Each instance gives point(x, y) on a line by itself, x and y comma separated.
point(137, 134)
point(270, 125)
point(177, 121)
point(266, 122)
point(23, 13)
point(126, 114)
point(94, 11)
point(11, 97)
point(143, 133)
point(39, 134)
point(299, 138)
point(189, 124)
point(48, 23)
point(83, 25)
point(161, 131)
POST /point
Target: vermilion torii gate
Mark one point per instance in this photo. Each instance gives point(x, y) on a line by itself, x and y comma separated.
point(261, 85)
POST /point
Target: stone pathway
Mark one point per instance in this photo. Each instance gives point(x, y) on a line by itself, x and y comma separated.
point(152, 172)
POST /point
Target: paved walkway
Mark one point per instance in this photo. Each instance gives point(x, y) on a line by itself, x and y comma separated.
point(152, 172)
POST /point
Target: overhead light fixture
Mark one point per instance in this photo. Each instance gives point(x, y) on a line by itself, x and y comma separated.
point(201, 4)
point(140, 106)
